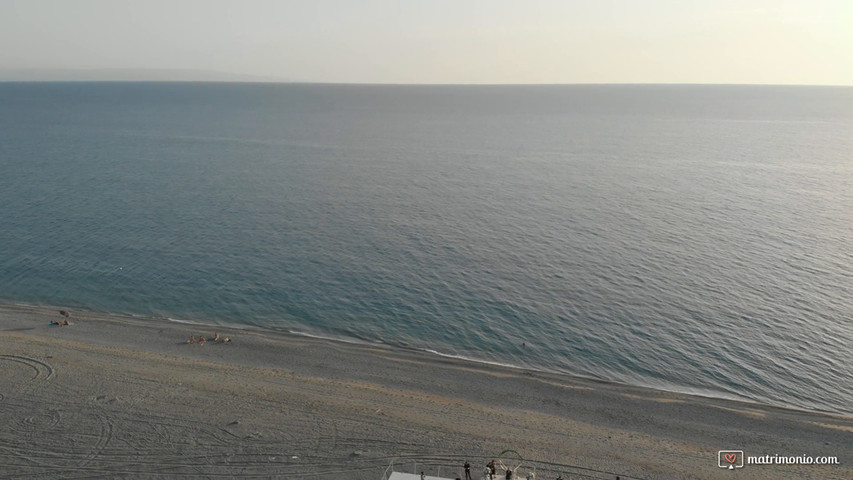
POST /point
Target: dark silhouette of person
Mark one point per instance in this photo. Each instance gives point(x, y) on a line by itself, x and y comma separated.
point(467, 470)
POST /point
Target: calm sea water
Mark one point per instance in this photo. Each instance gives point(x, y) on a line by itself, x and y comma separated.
point(690, 238)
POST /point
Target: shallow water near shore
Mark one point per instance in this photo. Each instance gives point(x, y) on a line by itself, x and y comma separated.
point(689, 238)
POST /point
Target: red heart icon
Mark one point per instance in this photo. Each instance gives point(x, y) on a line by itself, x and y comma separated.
point(731, 457)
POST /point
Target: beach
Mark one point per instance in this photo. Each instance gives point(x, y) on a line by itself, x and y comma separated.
point(112, 396)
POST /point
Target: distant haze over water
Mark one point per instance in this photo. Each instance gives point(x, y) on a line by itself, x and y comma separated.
point(689, 238)
point(126, 74)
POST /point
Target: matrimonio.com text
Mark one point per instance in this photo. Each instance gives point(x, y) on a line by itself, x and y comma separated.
point(733, 459)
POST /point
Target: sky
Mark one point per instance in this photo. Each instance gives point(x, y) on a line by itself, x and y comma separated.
point(806, 42)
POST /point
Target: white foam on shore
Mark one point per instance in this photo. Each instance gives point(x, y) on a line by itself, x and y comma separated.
point(350, 340)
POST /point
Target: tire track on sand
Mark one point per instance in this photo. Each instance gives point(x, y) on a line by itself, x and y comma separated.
point(43, 371)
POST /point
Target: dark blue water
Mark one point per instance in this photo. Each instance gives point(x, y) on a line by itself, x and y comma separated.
point(691, 238)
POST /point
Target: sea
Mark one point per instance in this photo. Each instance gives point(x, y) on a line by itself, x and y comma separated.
point(689, 238)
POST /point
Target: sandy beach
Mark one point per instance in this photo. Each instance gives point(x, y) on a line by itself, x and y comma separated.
point(121, 397)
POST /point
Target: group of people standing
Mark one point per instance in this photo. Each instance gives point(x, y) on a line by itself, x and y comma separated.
point(490, 471)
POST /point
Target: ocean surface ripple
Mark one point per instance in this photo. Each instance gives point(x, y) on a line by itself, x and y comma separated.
point(688, 238)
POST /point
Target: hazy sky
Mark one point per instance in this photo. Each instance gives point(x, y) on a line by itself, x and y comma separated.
point(442, 41)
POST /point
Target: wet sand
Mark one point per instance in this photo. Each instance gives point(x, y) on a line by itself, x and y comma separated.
point(120, 397)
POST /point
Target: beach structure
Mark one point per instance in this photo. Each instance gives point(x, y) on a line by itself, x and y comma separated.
point(412, 476)
point(507, 459)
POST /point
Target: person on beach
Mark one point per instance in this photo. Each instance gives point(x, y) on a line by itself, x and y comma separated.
point(62, 323)
point(491, 467)
point(423, 477)
point(467, 470)
point(201, 340)
point(508, 474)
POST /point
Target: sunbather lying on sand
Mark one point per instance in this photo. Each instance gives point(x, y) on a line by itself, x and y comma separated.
point(201, 340)
point(219, 339)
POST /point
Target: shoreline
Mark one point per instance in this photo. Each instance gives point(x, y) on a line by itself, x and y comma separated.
point(152, 321)
point(112, 396)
